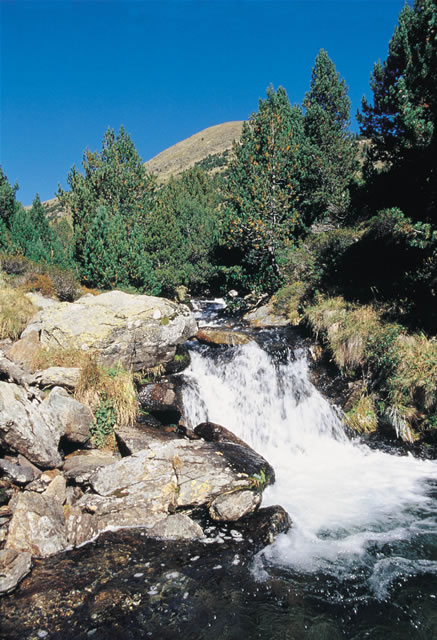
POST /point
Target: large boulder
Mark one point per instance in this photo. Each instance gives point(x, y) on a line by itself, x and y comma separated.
point(134, 330)
point(266, 316)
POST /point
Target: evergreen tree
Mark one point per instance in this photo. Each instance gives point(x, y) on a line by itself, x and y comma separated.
point(402, 121)
point(8, 205)
point(264, 209)
point(333, 149)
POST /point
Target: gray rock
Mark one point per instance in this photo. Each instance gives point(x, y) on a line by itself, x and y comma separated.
point(27, 428)
point(57, 489)
point(24, 350)
point(176, 527)
point(81, 527)
point(14, 566)
point(17, 473)
point(40, 301)
point(57, 376)
point(222, 337)
point(133, 330)
point(235, 505)
point(266, 316)
point(75, 417)
point(80, 467)
point(37, 526)
point(160, 397)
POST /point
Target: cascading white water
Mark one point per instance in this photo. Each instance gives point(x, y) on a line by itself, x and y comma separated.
point(351, 506)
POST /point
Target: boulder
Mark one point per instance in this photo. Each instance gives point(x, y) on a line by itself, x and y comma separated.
point(176, 527)
point(17, 473)
point(222, 337)
point(57, 489)
point(24, 350)
point(161, 398)
point(264, 526)
point(75, 417)
point(235, 505)
point(37, 526)
point(27, 428)
point(14, 566)
point(81, 527)
point(134, 330)
point(265, 317)
point(57, 377)
point(80, 466)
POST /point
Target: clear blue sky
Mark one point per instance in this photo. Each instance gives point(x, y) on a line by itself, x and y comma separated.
point(165, 69)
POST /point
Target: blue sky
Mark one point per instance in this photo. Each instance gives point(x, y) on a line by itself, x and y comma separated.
point(165, 69)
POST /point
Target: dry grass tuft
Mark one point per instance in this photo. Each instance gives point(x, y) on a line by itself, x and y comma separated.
point(415, 379)
point(45, 358)
point(15, 312)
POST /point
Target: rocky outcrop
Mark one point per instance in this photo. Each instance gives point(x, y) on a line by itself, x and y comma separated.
point(135, 331)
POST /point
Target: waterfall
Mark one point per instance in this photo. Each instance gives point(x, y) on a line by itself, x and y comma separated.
point(355, 510)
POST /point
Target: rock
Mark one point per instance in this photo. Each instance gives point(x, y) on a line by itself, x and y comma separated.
point(57, 489)
point(75, 417)
point(57, 376)
point(79, 467)
point(134, 330)
point(17, 473)
point(24, 462)
point(124, 510)
point(81, 527)
point(176, 527)
point(14, 566)
point(39, 300)
point(72, 495)
point(133, 439)
point(160, 398)
point(24, 350)
point(264, 526)
point(212, 432)
point(235, 505)
point(27, 428)
point(180, 362)
point(37, 526)
point(221, 336)
point(266, 316)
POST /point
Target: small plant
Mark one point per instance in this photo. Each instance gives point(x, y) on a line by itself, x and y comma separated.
point(362, 418)
point(42, 283)
point(258, 481)
point(104, 422)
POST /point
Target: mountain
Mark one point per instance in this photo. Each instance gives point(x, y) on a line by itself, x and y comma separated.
point(183, 155)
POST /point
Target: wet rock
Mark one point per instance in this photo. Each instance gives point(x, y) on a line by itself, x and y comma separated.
point(180, 362)
point(233, 506)
point(27, 428)
point(75, 417)
point(161, 398)
point(213, 432)
point(222, 337)
point(81, 527)
point(265, 317)
point(136, 438)
point(14, 566)
point(134, 330)
point(37, 526)
point(264, 526)
point(176, 527)
point(17, 473)
point(79, 467)
point(57, 377)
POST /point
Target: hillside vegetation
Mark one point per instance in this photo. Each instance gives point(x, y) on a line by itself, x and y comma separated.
point(347, 245)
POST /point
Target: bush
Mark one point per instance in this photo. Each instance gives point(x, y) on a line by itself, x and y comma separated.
point(42, 283)
point(15, 312)
point(65, 283)
point(14, 264)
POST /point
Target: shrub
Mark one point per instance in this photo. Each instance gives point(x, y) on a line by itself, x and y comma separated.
point(65, 283)
point(15, 312)
point(14, 264)
point(40, 282)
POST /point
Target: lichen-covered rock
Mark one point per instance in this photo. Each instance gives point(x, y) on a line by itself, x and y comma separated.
point(178, 526)
point(80, 466)
point(14, 566)
point(57, 377)
point(75, 417)
point(37, 526)
point(266, 316)
point(134, 330)
point(235, 505)
point(28, 429)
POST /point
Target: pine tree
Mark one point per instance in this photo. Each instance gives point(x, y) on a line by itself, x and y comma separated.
point(402, 121)
point(334, 150)
point(265, 187)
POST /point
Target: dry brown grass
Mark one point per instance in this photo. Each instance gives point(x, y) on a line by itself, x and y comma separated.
point(15, 312)
point(45, 358)
point(113, 385)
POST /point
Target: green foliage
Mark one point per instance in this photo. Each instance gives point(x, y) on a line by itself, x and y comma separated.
point(334, 150)
point(263, 212)
point(182, 232)
point(7, 199)
point(110, 204)
point(104, 422)
point(401, 122)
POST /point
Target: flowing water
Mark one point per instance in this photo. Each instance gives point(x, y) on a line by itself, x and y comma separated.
point(359, 563)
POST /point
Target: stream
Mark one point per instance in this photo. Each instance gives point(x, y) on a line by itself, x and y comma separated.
point(360, 560)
